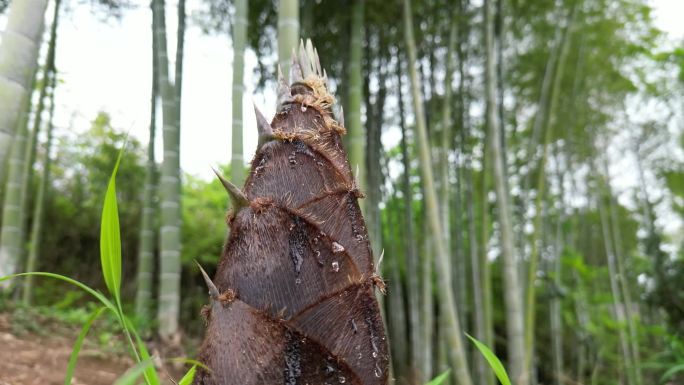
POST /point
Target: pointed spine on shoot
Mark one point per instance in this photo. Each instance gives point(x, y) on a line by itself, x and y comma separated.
point(264, 127)
point(284, 92)
point(296, 75)
point(213, 290)
point(238, 199)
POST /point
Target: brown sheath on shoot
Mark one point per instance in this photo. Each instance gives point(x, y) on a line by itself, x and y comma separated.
point(293, 298)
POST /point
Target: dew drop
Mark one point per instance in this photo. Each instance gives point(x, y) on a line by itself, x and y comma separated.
point(303, 108)
point(375, 354)
point(336, 266)
point(298, 281)
point(337, 248)
point(342, 379)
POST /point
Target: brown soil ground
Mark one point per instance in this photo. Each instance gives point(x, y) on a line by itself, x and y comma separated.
point(33, 359)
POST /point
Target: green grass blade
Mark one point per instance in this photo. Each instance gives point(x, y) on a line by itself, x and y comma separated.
point(189, 361)
point(440, 379)
point(106, 302)
point(189, 376)
point(151, 377)
point(71, 366)
point(110, 236)
point(134, 373)
point(493, 361)
point(671, 372)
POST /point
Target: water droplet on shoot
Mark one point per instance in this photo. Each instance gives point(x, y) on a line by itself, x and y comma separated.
point(342, 379)
point(336, 266)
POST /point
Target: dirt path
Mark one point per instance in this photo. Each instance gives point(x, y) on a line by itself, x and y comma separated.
point(30, 359)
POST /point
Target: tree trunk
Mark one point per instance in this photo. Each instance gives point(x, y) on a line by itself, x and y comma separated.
point(19, 49)
point(288, 32)
point(453, 330)
point(145, 272)
point(237, 168)
point(515, 327)
point(170, 184)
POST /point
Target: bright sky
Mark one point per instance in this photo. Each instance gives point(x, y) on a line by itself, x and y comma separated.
point(107, 66)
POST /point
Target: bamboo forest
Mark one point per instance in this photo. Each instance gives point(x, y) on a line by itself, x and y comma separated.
point(319, 192)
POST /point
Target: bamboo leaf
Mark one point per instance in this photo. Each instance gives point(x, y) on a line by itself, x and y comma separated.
point(151, 377)
point(134, 373)
point(189, 376)
point(671, 372)
point(71, 366)
point(106, 302)
point(493, 361)
point(189, 361)
point(110, 236)
point(440, 379)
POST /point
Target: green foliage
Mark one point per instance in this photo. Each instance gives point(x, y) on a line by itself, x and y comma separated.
point(110, 238)
point(492, 360)
point(111, 271)
point(440, 379)
point(204, 228)
point(71, 366)
point(189, 376)
point(80, 176)
point(134, 373)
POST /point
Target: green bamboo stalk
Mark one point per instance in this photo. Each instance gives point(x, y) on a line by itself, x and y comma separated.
point(48, 80)
point(414, 305)
point(170, 186)
point(549, 124)
point(478, 265)
point(515, 326)
point(288, 32)
point(12, 231)
point(453, 330)
point(631, 317)
point(427, 310)
point(39, 208)
point(396, 315)
point(555, 305)
point(19, 49)
point(355, 129)
point(618, 303)
point(237, 168)
point(144, 278)
point(445, 140)
point(13, 234)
